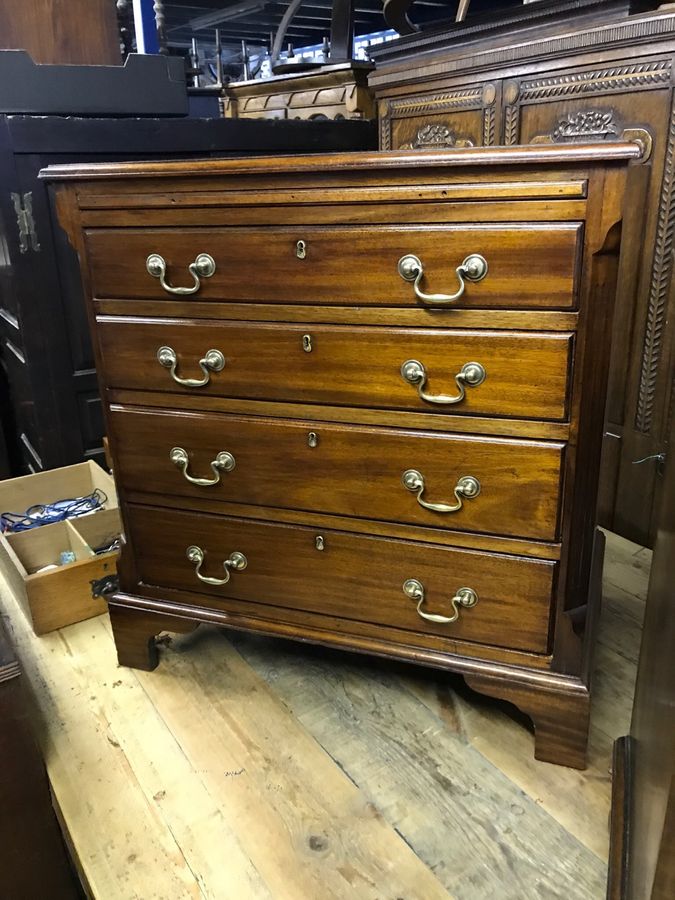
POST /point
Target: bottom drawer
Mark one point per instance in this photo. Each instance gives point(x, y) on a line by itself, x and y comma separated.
point(349, 576)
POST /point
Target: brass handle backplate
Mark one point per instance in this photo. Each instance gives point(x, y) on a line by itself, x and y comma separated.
point(213, 361)
point(204, 266)
point(467, 487)
point(465, 597)
point(474, 268)
point(224, 462)
point(471, 374)
point(236, 561)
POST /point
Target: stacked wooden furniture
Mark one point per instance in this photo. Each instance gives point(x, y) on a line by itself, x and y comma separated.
point(560, 72)
point(339, 91)
point(357, 399)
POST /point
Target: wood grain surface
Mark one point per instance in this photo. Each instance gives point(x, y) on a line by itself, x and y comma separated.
point(353, 471)
point(526, 374)
point(530, 265)
point(359, 577)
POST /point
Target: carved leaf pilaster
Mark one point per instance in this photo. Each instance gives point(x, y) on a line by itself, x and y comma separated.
point(385, 127)
point(658, 290)
point(489, 118)
point(511, 113)
point(489, 114)
point(511, 125)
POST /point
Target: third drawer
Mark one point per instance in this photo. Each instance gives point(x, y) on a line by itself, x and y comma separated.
point(499, 486)
point(525, 374)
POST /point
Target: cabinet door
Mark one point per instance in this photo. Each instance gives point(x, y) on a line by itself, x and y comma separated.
point(631, 99)
point(460, 117)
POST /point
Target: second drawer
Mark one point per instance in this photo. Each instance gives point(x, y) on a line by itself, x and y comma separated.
point(523, 374)
point(494, 486)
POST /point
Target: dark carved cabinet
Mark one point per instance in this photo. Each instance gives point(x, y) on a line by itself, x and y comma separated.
point(558, 73)
point(50, 410)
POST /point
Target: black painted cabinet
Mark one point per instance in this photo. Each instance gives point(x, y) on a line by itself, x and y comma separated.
point(50, 411)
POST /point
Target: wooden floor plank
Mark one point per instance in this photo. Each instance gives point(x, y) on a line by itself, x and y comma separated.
point(253, 768)
point(481, 835)
point(285, 796)
point(124, 847)
point(164, 774)
point(626, 565)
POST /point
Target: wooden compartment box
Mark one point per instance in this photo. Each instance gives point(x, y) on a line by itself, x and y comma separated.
point(60, 596)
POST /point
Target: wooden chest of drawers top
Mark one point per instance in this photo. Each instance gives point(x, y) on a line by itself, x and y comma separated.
point(353, 397)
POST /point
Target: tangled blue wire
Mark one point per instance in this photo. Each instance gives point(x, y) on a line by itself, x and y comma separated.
point(48, 513)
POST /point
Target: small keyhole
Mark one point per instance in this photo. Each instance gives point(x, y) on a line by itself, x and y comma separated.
point(301, 249)
point(307, 343)
point(312, 439)
point(319, 542)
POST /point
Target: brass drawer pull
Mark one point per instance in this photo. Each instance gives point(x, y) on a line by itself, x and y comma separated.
point(414, 373)
point(474, 268)
point(465, 597)
point(237, 561)
point(467, 487)
point(204, 266)
point(224, 462)
point(213, 361)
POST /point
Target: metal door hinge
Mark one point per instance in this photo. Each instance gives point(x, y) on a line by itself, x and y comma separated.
point(23, 207)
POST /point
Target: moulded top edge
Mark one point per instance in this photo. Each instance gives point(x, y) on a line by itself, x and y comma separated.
point(374, 161)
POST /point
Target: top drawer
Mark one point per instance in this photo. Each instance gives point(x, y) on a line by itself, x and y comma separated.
point(528, 265)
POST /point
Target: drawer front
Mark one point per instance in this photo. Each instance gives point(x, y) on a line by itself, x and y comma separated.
point(344, 470)
point(529, 265)
point(525, 374)
point(352, 576)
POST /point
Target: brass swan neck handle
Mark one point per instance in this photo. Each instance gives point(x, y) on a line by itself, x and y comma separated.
point(224, 462)
point(204, 266)
point(471, 374)
point(467, 487)
point(465, 597)
point(236, 561)
point(473, 268)
point(212, 361)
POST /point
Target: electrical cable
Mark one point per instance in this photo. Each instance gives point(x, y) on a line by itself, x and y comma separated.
point(49, 513)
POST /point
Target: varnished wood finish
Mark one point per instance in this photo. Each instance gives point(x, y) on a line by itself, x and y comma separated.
point(330, 377)
point(642, 860)
point(591, 71)
point(135, 632)
point(345, 366)
point(88, 34)
point(560, 718)
point(340, 268)
point(395, 164)
point(353, 471)
point(620, 819)
point(353, 577)
point(337, 91)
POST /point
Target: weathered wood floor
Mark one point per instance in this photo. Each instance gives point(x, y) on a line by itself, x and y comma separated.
point(247, 767)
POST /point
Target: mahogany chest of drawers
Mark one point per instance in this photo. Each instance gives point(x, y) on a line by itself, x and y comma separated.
point(358, 400)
